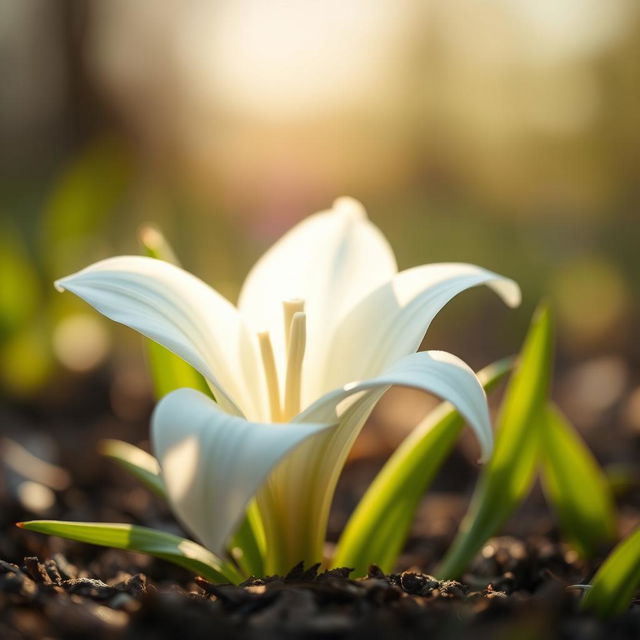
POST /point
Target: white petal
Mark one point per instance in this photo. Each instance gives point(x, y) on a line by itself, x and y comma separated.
point(437, 372)
point(331, 260)
point(212, 463)
point(309, 475)
point(176, 309)
point(391, 321)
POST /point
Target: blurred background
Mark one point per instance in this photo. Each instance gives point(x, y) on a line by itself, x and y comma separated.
point(504, 133)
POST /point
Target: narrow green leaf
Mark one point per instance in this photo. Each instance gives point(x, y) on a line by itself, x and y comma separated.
point(509, 474)
point(246, 547)
point(142, 465)
point(166, 546)
point(155, 245)
point(378, 528)
point(168, 371)
point(575, 485)
point(139, 463)
point(617, 580)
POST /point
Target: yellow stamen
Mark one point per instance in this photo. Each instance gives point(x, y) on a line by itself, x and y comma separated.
point(290, 307)
point(295, 355)
point(270, 374)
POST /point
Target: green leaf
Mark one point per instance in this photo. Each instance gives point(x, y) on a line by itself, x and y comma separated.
point(246, 546)
point(575, 485)
point(166, 546)
point(155, 245)
point(142, 465)
point(509, 474)
point(617, 580)
point(168, 371)
point(378, 528)
point(139, 463)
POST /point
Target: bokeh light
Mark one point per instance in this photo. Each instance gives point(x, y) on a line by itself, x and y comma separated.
point(503, 133)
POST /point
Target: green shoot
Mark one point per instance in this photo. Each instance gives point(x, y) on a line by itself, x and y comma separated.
point(143, 466)
point(168, 371)
point(509, 474)
point(378, 528)
point(166, 546)
point(137, 462)
point(575, 486)
point(617, 580)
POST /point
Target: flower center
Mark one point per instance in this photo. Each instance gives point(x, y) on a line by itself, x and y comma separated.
point(295, 333)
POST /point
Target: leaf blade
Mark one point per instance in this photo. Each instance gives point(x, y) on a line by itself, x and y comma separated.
point(509, 473)
point(380, 524)
point(247, 547)
point(168, 371)
point(617, 579)
point(174, 549)
point(575, 485)
point(139, 463)
point(145, 468)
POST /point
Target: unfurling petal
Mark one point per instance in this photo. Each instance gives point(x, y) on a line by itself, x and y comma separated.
point(391, 321)
point(331, 260)
point(437, 372)
point(176, 309)
point(309, 475)
point(213, 463)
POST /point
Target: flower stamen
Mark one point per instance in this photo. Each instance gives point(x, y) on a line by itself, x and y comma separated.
point(270, 374)
point(294, 305)
point(295, 354)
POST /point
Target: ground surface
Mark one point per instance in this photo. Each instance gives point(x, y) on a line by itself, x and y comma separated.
point(50, 588)
point(54, 599)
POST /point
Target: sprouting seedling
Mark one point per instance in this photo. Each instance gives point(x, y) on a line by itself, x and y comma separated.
point(616, 581)
point(324, 326)
point(532, 437)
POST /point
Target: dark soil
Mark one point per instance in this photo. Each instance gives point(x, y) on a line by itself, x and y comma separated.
point(54, 599)
point(54, 589)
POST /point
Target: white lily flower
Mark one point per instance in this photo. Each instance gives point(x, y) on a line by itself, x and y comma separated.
point(324, 326)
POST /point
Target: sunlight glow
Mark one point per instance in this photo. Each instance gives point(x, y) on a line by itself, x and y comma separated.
point(282, 59)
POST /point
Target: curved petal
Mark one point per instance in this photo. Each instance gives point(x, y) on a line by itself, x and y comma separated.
point(213, 463)
point(391, 321)
point(437, 372)
point(306, 480)
point(176, 309)
point(331, 260)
